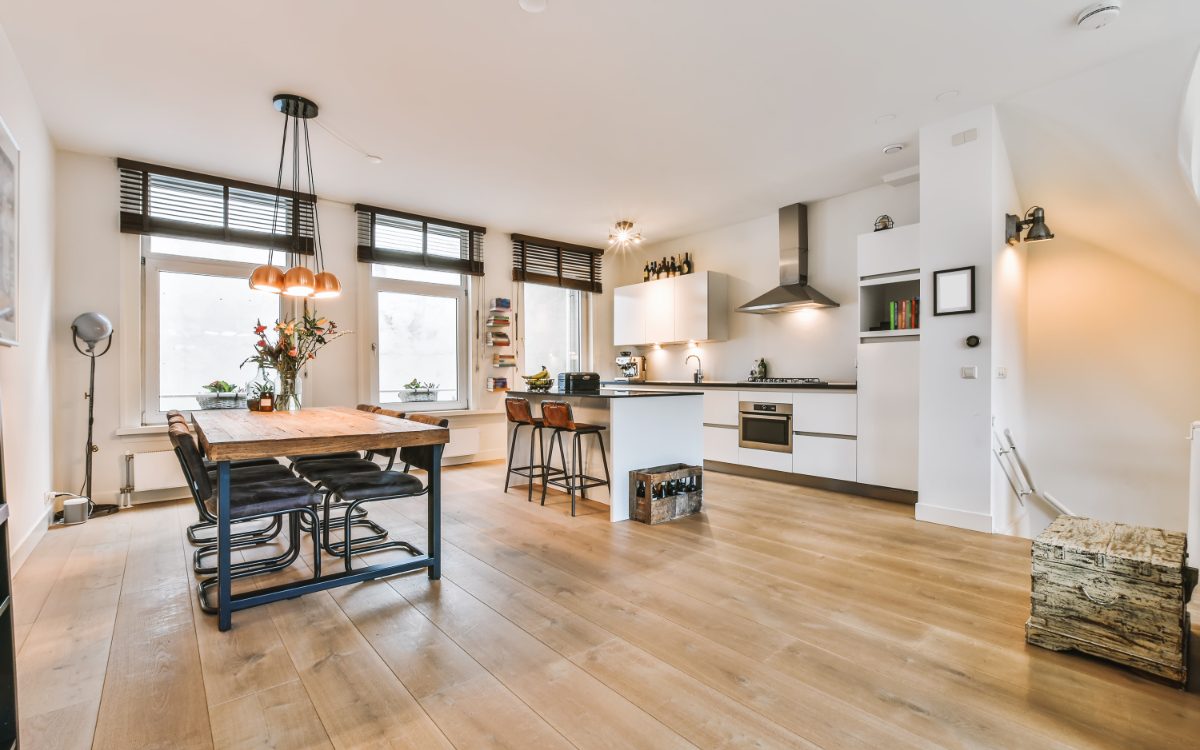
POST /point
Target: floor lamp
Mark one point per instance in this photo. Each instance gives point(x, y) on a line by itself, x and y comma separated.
point(92, 328)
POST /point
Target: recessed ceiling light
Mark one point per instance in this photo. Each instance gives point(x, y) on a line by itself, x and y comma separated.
point(374, 159)
point(884, 118)
point(534, 6)
point(893, 148)
point(947, 96)
point(1098, 15)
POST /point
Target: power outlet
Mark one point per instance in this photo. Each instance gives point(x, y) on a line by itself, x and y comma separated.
point(970, 373)
point(49, 500)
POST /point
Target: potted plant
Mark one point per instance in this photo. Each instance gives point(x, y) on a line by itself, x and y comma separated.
point(221, 395)
point(418, 391)
point(295, 343)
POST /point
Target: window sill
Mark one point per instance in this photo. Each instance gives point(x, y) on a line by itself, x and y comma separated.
point(146, 429)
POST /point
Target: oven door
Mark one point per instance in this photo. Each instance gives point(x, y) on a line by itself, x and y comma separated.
point(769, 432)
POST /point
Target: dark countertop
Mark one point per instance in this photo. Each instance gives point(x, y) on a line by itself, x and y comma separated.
point(604, 393)
point(739, 385)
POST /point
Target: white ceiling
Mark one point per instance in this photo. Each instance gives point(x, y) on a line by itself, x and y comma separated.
point(681, 114)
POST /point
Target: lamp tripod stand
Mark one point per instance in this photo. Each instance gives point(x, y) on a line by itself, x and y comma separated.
point(92, 332)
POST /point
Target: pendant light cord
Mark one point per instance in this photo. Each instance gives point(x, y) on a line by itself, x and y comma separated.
point(278, 191)
point(318, 251)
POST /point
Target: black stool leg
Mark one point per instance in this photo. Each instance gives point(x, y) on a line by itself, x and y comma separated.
point(512, 449)
point(534, 432)
point(604, 463)
point(576, 470)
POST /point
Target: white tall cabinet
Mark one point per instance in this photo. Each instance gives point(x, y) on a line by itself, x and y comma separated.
point(888, 361)
point(694, 307)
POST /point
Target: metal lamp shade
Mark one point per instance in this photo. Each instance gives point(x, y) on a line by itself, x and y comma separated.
point(267, 279)
point(1038, 231)
point(92, 328)
point(299, 282)
point(326, 286)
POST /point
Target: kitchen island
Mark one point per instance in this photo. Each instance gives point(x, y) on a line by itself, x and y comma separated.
point(644, 429)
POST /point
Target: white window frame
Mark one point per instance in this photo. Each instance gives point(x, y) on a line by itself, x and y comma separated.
point(585, 328)
point(152, 264)
point(461, 293)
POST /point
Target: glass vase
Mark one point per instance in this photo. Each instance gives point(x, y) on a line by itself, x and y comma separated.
point(287, 398)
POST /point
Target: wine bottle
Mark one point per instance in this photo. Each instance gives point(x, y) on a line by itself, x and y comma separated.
point(674, 266)
point(687, 264)
point(666, 268)
point(646, 272)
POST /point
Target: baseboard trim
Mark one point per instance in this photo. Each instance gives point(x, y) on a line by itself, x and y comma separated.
point(890, 494)
point(26, 546)
point(963, 519)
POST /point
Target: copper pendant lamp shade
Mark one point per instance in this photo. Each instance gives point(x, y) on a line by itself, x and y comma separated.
point(299, 282)
point(326, 286)
point(267, 279)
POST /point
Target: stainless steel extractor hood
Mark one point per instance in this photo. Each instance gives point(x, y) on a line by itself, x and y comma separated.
point(793, 292)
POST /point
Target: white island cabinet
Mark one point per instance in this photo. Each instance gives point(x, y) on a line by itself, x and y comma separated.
point(643, 430)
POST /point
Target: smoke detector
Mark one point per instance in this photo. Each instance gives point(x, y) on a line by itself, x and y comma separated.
point(893, 148)
point(1098, 15)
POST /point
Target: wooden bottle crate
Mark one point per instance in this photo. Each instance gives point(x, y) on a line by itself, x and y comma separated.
point(664, 493)
point(1114, 591)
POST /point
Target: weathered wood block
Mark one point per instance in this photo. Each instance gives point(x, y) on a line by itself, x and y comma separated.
point(1114, 591)
point(664, 493)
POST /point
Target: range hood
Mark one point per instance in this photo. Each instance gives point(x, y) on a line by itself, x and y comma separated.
point(793, 292)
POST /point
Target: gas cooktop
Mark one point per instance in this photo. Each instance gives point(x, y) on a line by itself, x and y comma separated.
point(788, 381)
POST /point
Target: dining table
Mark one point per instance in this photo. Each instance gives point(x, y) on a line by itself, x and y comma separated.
point(232, 434)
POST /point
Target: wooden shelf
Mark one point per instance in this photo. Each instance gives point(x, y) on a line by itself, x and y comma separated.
point(890, 334)
point(892, 278)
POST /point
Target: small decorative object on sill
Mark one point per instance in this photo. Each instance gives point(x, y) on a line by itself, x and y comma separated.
point(296, 343)
point(415, 390)
point(221, 395)
point(262, 396)
point(1114, 591)
point(884, 222)
point(664, 493)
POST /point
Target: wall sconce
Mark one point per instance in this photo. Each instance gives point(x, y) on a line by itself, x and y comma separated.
point(1035, 219)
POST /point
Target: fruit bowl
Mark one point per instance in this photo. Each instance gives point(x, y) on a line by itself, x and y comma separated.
point(540, 381)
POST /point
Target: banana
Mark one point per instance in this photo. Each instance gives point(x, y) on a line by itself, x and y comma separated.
point(542, 374)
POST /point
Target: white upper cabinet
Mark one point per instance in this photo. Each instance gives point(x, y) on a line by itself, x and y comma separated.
point(891, 251)
point(694, 307)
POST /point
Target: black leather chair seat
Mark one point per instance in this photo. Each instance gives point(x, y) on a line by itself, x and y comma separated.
point(586, 429)
point(320, 471)
point(325, 457)
point(377, 484)
point(260, 498)
point(242, 463)
point(249, 474)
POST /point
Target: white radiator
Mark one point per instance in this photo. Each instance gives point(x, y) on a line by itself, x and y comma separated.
point(464, 441)
point(152, 470)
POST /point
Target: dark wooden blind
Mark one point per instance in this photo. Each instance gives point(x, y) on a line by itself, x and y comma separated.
point(540, 261)
point(177, 203)
point(396, 238)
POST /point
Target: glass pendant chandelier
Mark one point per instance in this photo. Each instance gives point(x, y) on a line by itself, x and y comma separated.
point(300, 280)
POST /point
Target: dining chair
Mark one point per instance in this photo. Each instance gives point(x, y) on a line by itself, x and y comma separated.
point(274, 498)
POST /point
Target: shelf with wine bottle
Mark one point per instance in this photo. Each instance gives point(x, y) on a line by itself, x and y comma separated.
point(668, 267)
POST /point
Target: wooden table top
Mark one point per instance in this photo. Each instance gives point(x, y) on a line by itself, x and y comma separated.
point(231, 434)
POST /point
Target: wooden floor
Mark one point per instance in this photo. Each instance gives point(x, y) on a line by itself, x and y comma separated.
point(781, 617)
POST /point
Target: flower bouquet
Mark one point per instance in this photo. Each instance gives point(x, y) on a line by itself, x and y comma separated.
point(295, 343)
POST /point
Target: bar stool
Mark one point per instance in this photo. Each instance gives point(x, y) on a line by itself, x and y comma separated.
point(520, 414)
point(558, 416)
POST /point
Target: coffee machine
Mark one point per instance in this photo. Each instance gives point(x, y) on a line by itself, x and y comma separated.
point(631, 368)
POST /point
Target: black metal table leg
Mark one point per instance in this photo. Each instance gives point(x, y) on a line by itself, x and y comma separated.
point(434, 548)
point(224, 574)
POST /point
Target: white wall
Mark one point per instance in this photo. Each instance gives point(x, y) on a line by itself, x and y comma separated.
point(965, 190)
point(1114, 383)
point(807, 343)
point(26, 375)
point(97, 269)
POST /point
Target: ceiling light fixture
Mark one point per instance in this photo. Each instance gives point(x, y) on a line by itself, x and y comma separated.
point(1098, 15)
point(947, 96)
point(622, 236)
point(1035, 219)
point(299, 281)
point(884, 118)
point(533, 6)
point(893, 148)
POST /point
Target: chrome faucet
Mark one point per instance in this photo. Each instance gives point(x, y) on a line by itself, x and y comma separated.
point(698, 375)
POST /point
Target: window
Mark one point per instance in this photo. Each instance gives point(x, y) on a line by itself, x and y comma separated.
point(421, 341)
point(199, 315)
point(553, 322)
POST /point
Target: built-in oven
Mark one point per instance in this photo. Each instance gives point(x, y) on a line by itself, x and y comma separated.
point(766, 426)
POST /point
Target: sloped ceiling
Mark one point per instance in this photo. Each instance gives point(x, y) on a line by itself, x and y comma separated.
point(680, 114)
point(1100, 150)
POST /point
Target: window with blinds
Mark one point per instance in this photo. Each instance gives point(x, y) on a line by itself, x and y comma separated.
point(541, 261)
point(172, 202)
point(396, 238)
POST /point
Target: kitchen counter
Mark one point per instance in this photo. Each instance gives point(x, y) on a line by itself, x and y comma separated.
point(645, 429)
point(605, 392)
point(740, 385)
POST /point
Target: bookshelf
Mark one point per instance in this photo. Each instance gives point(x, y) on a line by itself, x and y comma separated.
point(498, 338)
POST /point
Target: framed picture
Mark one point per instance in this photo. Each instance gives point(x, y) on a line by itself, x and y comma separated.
point(954, 291)
point(10, 166)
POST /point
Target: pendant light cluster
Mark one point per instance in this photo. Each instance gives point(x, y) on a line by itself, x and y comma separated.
point(298, 281)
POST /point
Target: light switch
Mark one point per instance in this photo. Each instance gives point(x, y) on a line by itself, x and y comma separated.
point(970, 373)
point(1001, 373)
